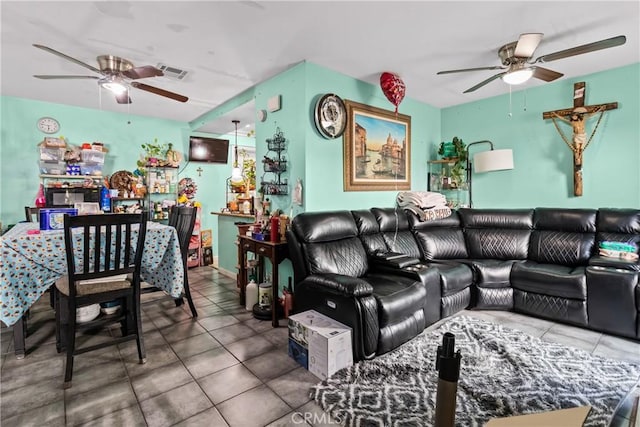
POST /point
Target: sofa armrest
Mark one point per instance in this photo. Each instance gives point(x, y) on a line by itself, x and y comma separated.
point(428, 275)
point(392, 261)
point(339, 284)
point(600, 261)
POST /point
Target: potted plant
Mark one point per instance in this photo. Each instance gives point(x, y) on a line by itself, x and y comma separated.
point(457, 151)
point(154, 154)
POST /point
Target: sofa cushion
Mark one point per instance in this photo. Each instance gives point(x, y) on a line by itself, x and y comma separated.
point(562, 236)
point(624, 221)
point(550, 279)
point(454, 277)
point(497, 233)
point(491, 273)
point(369, 231)
point(570, 220)
point(316, 227)
point(497, 244)
point(562, 248)
point(346, 257)
point(398, 297)
point(439, 239)
point(394, 227)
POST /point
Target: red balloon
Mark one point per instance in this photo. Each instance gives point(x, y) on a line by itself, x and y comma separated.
point(393, 88)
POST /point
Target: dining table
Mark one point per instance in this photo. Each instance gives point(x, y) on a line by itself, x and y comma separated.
point(31, 260)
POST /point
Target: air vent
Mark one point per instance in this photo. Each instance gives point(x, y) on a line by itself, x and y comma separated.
point(172, 72)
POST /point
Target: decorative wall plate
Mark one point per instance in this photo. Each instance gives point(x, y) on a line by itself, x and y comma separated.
point(330, 116)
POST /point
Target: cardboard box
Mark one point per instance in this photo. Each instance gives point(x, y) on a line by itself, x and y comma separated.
point(326, 341)
point(572, 417)
point(53, 219)
point(299, 353)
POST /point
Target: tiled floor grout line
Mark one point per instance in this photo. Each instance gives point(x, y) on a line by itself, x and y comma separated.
point(174, 319)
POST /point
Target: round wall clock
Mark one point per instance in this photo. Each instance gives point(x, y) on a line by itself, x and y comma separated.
point(48, 125)
point(330, 116)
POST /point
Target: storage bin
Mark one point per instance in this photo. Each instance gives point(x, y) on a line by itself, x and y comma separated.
point(90, 169)
point(92, 156)
point(49, 154)
point(53, 168)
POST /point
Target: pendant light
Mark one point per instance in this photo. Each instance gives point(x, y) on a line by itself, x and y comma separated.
point(236, 174)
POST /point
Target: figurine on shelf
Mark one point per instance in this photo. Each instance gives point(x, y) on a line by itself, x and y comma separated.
point(172, 157)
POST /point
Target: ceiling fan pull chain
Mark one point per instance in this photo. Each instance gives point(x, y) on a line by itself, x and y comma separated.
point(525, 99)
point(510, 103)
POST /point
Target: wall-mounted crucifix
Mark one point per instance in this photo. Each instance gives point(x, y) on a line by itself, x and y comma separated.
point(576, 117)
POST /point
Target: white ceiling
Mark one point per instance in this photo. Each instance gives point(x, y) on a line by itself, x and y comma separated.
point(230, 46)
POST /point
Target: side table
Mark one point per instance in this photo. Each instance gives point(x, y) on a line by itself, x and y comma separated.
point(275, 253)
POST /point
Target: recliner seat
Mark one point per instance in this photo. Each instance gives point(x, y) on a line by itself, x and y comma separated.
point(384, 310)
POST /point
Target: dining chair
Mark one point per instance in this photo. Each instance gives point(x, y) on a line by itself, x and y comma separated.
point(103, 264)
point(32, 214)
point(183, 219)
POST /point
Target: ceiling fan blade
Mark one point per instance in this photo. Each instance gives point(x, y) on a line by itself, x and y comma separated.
point(546, 74)
point(484, 82)
point(143, 72)
point(160, 92)
point(527, 44)
point(123, 98)
point(51, 77)
point(68, 58)
point(585, 48)
point(462, 70)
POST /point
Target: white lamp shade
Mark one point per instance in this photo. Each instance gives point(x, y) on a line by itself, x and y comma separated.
point(493, 160)
point(236, 176)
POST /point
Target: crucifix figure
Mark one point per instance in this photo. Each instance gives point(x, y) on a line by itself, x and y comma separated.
point(576, 117)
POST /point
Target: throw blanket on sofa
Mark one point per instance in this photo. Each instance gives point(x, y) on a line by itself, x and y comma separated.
point(427, 205)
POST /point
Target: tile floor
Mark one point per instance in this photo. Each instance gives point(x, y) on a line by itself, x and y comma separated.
point(223, 369)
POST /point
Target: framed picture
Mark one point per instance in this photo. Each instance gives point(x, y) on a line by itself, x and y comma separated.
point(377, 149)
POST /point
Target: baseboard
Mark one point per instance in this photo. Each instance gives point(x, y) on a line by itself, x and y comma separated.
point(231, 274)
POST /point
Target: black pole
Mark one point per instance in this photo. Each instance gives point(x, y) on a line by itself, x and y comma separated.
point(448, 367)
point(469, 173)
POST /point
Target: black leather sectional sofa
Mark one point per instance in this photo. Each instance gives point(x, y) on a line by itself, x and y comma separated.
point(388, 276)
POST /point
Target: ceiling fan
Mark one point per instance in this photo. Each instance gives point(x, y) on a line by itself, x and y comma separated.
point(116, 75)
point(516, 58)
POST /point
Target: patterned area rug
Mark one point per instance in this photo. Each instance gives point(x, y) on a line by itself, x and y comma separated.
point(504, 372)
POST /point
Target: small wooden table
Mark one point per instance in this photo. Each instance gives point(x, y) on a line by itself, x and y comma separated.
point(275, 252)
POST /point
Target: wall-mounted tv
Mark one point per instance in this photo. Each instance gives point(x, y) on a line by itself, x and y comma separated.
point(210, 150)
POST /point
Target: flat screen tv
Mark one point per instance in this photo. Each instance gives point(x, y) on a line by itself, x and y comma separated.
point(210, 150)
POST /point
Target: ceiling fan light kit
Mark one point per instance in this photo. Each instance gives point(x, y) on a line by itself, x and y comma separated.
point(517, 77)
point(118, 75)
point(112, 84)
point(516, 59)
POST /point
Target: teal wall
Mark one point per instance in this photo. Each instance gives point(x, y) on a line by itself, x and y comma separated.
point(318, 161)
point(324, 158)
point(122, 134)
point(543, 172)
point(543, 164)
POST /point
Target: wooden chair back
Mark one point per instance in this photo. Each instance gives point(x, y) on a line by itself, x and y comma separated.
point(32, 214)
point(108, 247)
